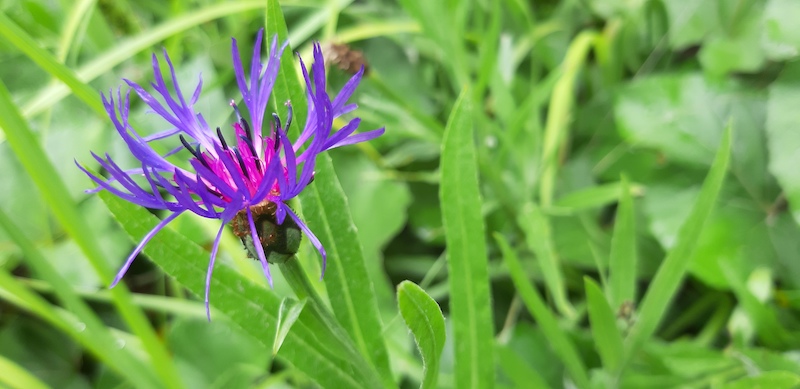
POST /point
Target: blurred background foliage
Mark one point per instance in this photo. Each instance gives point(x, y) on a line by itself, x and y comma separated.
point(600, 133)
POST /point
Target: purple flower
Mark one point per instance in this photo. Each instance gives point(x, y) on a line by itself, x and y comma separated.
point(235, 179)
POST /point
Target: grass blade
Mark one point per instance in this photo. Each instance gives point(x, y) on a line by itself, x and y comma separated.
point(17, 377)
point(670, 273)
point(53, 190)
point(594, 197)
point(424, 318)
point(607, 337)
point(25, 43)
point(518, 370)
point(562, 345)
point(128, 48)
point(117, 358)
point(16, 293)
point(622, 261)
point(470, 300)
point(539, 237)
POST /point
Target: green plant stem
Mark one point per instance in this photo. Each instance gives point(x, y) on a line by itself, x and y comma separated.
point(298, 280)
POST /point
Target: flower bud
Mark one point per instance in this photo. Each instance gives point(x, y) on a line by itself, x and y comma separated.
point(279, 241)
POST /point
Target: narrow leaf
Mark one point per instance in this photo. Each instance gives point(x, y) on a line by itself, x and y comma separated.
point(607, 338)
point(18, 294)
point(670, 273)
point(326, 211)
point(288, 313)
point(424, 318)
point(17, 377)
point(546, 319)
point(287, 84)
point(539, 237)
point(622, 261)
point(470, 299)
point(560, 111)
point(21, 40)
point(595, 196)
point(105, 345)
point(129, 47)
point(350, 289)
point(521, 373)
point(775, 379)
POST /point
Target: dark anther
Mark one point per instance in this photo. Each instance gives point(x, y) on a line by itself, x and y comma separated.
point(187, 145)
point(241, 162)
point(277, 140)
point(195, 152)
point(222, 139)
point(288, 117)
point(277, 120)
point(247, 129)
point(252, 151)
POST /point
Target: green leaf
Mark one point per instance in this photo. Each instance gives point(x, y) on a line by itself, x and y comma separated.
point(684, 117)
point(287, 85)
point(739, 47)
point(522, 374)
point(538, 235)
point(424, 318)
point(103, 344)
point(783, 137)
point(767, 325)
point(670, 273)
point(439, 21)
point(16, 293)
point(559, 112)
point(127, 48)
point(766, 380)
point(596, 196)
point(562, 345)
point(781, 32)
point(350, 289)
point(622, 260)
point(16, 377)
point(379, 206)
point(22, 41)
point(327, 213)
point(690, 21)
point(607, 338)
point(211, 351)
point(311, 347)
point(470, 299)
point(288, 313)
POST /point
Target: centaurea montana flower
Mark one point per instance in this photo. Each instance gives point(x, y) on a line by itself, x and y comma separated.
point(234, 180)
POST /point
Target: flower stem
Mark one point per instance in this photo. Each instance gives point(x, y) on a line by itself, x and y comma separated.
point(298, 280)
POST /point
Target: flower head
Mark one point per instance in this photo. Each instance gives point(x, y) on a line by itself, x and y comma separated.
point(245, 179)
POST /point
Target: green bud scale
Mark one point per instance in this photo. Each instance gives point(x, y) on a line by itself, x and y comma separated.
point(279, 241)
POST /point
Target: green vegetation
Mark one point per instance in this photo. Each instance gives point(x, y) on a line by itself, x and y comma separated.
point(576, 193)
